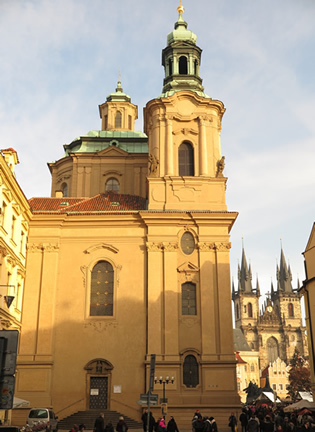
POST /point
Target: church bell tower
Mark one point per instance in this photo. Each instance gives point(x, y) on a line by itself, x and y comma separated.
point(183, 126)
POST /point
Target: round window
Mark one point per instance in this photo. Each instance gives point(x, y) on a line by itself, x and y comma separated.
point(187, 243)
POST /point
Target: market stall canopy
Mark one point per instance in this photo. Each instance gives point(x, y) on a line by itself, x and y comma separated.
point(300, 405)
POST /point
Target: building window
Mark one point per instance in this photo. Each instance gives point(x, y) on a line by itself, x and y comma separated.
point(118, 120)
point(250, 310)
point(189, 299)
point(190, 371)
point(237, 312)
point(196, 67)
point(102, 289)
point(129, 122)
point(4, 215)
point(105, 122)
point(272, 348)
point(252, 367)
point(280, 387)
point(238, 386)
point(13, 227)
point(64, 189)
point(183, 65)
point(187, 243)
point(245, 368)
point(274, 386)
point(185, 160)
point(291, 310)
point(112, 184)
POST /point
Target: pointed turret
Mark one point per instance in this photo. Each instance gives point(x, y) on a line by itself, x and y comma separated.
point(181, 59)
point(284, 276)
point(245, 275)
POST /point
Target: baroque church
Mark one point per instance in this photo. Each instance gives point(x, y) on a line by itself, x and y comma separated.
point(129, 257)
point(275, 331)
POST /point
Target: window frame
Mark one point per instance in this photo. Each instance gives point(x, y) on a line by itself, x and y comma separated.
point(186, 159)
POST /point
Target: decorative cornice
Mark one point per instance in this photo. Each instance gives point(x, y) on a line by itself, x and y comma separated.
point(34, 247)
point(49, 247)
point(100, 326)
point(223, 247)
point(205, 247)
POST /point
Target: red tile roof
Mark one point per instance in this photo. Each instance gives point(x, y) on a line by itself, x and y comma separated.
point(106, 202)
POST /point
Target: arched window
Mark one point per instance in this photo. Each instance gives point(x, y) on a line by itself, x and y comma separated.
point(189, 299)
point(118, 119)
point(273, 350)
point(185, 159)
point(291, 310)
point(250, 310)
point(237, 312)
point(190, 371)
point(196, 67)
point(183, 65)
point(64, 189)
point(252, 367)
point(112, 184)
point(102, 289)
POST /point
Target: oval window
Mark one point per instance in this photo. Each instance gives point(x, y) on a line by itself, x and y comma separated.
point(187, 243)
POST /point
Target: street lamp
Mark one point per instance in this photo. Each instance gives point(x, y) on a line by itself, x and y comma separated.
point(162, 380)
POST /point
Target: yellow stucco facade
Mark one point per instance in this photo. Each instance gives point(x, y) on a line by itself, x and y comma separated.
point(130, 257)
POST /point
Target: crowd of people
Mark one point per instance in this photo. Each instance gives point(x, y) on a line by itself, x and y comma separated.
point(160, 425)
point(264, 419)
point(203, 424)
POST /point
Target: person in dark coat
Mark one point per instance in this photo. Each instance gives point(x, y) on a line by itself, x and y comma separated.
point(172, 426)
point(213, 424)
point(232, 422)
point(109, 427)
point(207, 425)
point(144, 419)
point(99, 423)
point(121, 425)
point(244, 420)
point(253, 425)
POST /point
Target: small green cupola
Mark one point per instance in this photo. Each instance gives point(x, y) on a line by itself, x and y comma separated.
point(181, 59)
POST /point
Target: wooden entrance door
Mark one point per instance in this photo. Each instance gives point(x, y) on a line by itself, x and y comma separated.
point(98, 393)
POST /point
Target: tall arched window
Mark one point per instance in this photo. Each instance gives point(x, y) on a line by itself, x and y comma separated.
point(291, 310)
point(183, 65)
point(190, 371)
point(118, 119)
point(189, 299)
point(112, 184)
point(185, 159)
point(102, 289)
point(64, 189)
point(170, 67)
point(250, 310)
point(273, 350)
point(237, 312)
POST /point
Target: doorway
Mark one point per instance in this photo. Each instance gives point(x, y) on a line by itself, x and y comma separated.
point(98, 393)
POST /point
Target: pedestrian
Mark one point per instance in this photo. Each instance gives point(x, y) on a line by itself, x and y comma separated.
point(253, 425)
point(207, 425)
point(161, 427)
point(198, 424)
point(172, 426)
point(213, 424)
point(144, 420)
point(109, 427)
point(99, 423)
point(244, 420)
point(232, 422)
point(121, 425)
point(82, 427)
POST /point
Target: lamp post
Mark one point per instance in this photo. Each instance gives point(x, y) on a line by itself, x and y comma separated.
point(164, 381)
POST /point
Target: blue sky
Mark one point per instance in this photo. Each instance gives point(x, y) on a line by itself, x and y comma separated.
point(59, 59)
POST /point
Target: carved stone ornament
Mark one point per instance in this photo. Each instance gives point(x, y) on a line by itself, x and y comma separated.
point(189, 321)
point(220, 166)
point(100, 326)
point(223, 247)
point(49, 247)
point(205, 247)
point(170, 247)
point(3, 252)
point(63, 178)
point(153, 165)
point(154, 247)
point(35, 247)
point(11, 261)
point(99, 366)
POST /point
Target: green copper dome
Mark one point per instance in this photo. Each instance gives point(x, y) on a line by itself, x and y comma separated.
point(181, 33)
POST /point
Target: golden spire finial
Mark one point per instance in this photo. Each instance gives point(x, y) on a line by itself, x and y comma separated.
point(180, 8)
point(119, 78)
